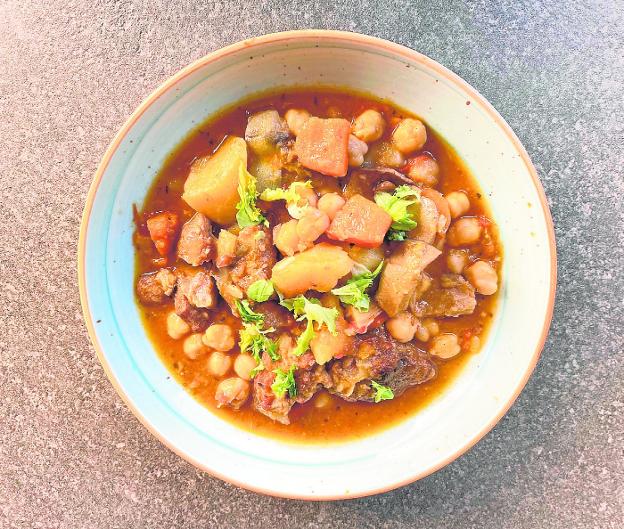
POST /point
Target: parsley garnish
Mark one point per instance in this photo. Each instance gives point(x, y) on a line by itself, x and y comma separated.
point(248, 213)
point(260, 290)
point(354, 292)
point(257, 369)
point(396, 235)
point(285, 382)
point(312, 311)
point(382, 392)
point(246, 312)
point(396, 205)
point(290, 195)
point(254, 340)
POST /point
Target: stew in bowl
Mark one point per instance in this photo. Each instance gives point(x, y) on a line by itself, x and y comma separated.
point(315, 264)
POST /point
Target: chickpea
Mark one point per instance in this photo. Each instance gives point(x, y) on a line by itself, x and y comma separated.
point(402, 327)
point(312, 225)
point(424, 169)
point(219, 337)
point(285, 237)
point(322, 400)
point(219, 364)
point(308, 194)
point(176, 326)
point(193, 346)
point(458, 203)
point(295, 119)
point(409, 135)
point(432, 326)
point(456, 260)
point(356, 150)
point(383, 153)
point(330, 204)
point(483, 277)
point(232, 391)
point(308, 198)
point(422, 334)
point(369, 126)
point(243, 365)
point(465, 230)
point(445, 346)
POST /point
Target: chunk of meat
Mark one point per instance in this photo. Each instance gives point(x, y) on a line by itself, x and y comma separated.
point(366, 182)
point(196, 244)
point(322, 145)
point(163, 229)
point(195, 294)
point(255, 256)
point(226, 249)
point(275, 316)
point(167, 280)
point(154, 288)
point(361, 322)
point(451, 295)
point(254, 259)
point(266, 402)
point(199, 288)
point(401, 275)
point(198, 319)
point(380, 358)
point(361, 222)
point(427, 221)
point(309, 381)
point(265, 130)
point(309, 378)
point(229, 291)
point(444, 219)
point(318, 268)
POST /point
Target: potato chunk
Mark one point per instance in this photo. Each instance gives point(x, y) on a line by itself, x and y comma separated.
point(318, 268)
point(212, 185)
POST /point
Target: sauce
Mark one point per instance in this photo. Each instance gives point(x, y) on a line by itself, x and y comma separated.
point(325, 417)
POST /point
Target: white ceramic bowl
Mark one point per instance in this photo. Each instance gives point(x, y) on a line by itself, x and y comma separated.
point(433, 437)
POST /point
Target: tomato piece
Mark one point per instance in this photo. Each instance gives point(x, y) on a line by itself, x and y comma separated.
point(163, 229)
point(322, 145)
point(361, 222)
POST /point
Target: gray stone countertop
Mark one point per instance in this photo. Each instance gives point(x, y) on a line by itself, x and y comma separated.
point(73, 456)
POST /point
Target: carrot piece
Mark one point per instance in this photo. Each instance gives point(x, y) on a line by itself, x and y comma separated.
point(163, 229)
point(361, 222)
point(322, 145)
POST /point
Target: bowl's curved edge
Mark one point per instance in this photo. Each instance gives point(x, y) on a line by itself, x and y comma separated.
point(286, 36)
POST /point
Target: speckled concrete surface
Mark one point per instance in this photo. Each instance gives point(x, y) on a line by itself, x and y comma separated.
point(72, 455)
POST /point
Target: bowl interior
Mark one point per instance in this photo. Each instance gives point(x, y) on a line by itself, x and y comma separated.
point(434, 436)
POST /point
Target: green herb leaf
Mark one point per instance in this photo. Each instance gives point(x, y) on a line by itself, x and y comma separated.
point(304, 339)
point(290, 195)
point(396, 235)
point(260, 290)
point(254, 341)
point(248, 213)
point(312, 311)
point(354, 291)
point(382, 392)
point(246, 312)
point(397, 204)
point(257, 369)
point(271, 348)
point(285, 382)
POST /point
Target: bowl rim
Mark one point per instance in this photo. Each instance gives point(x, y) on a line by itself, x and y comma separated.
point(285, 36)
